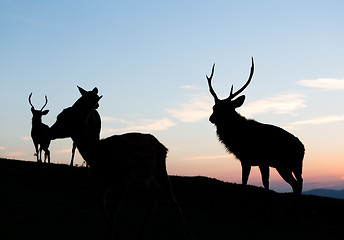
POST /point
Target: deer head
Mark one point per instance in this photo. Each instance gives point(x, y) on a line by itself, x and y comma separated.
point(74, 118)
point(225, 108)
point(37, 114)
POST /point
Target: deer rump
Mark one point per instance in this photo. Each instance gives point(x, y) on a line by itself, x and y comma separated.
point(257, 144)
point(140, 156)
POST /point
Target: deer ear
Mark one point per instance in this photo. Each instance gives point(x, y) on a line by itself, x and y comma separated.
point(239, 101)
point(82, 91)
point(95, 90)
point(45, 112)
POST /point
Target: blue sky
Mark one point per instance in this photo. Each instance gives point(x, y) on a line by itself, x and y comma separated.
point(149, 60)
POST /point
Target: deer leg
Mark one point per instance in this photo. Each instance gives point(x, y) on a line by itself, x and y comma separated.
point(105, 203)
point(289, 178)
point(182, 219)
point(265, 172)
point(73, 152)
point(153, 201)
point(36, 148)
point(47, 155)
point(111, 210)
point(166, 188)
point(299, 179)
point(246, 169)
point(40, 154)
point(45, 148)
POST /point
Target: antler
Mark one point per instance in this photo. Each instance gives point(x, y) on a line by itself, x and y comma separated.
point(30, 100)
point(231, 95)
point(209, 84)
point(46, 101)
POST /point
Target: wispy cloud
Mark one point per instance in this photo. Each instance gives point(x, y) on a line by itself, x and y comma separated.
point(108, 119)
point(112, 119)
point(317, 121)
point(285, 103)
point(324, 83)
point(65, 150)
point(25, 138)
point(152, 124)
point(197, 108)
point(147, 125)
point(14, 154)
point(2, 148)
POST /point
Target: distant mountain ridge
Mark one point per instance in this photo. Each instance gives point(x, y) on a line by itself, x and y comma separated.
point(323, 192)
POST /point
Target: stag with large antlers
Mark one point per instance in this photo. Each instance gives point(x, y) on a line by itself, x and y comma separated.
point(119, 161)
point(39, 132)
point(254, 143)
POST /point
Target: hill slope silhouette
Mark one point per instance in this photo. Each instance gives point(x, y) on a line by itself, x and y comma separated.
point(53, 201)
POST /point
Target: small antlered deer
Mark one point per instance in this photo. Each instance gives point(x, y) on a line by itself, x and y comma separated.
point(254, 143)
point(119, 161)
point(93, 120)
point(39, 132)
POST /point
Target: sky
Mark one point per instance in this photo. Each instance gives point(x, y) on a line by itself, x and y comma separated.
point(149, 60)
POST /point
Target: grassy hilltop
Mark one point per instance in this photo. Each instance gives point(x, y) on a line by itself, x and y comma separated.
point(41, 201)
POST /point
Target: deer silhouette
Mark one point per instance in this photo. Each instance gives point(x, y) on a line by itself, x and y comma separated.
point(119, 161)
point(93, 121)
point(39, 132)
point(255, 143)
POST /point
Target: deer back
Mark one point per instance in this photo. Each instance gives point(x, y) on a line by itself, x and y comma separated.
point(136, 156)
point(256, 142)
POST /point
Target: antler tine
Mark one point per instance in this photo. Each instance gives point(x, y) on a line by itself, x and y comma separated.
point(231, 96)
point(209, 84)
point(46, 101)
point(30, 100)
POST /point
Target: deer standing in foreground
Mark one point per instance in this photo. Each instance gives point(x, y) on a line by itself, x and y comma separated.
point(93, 121)
point(120, 161)
point(254, 143)
point(39, 132)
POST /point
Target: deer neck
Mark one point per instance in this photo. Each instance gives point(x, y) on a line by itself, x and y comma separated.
point(231, 127)
point(36, 120)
